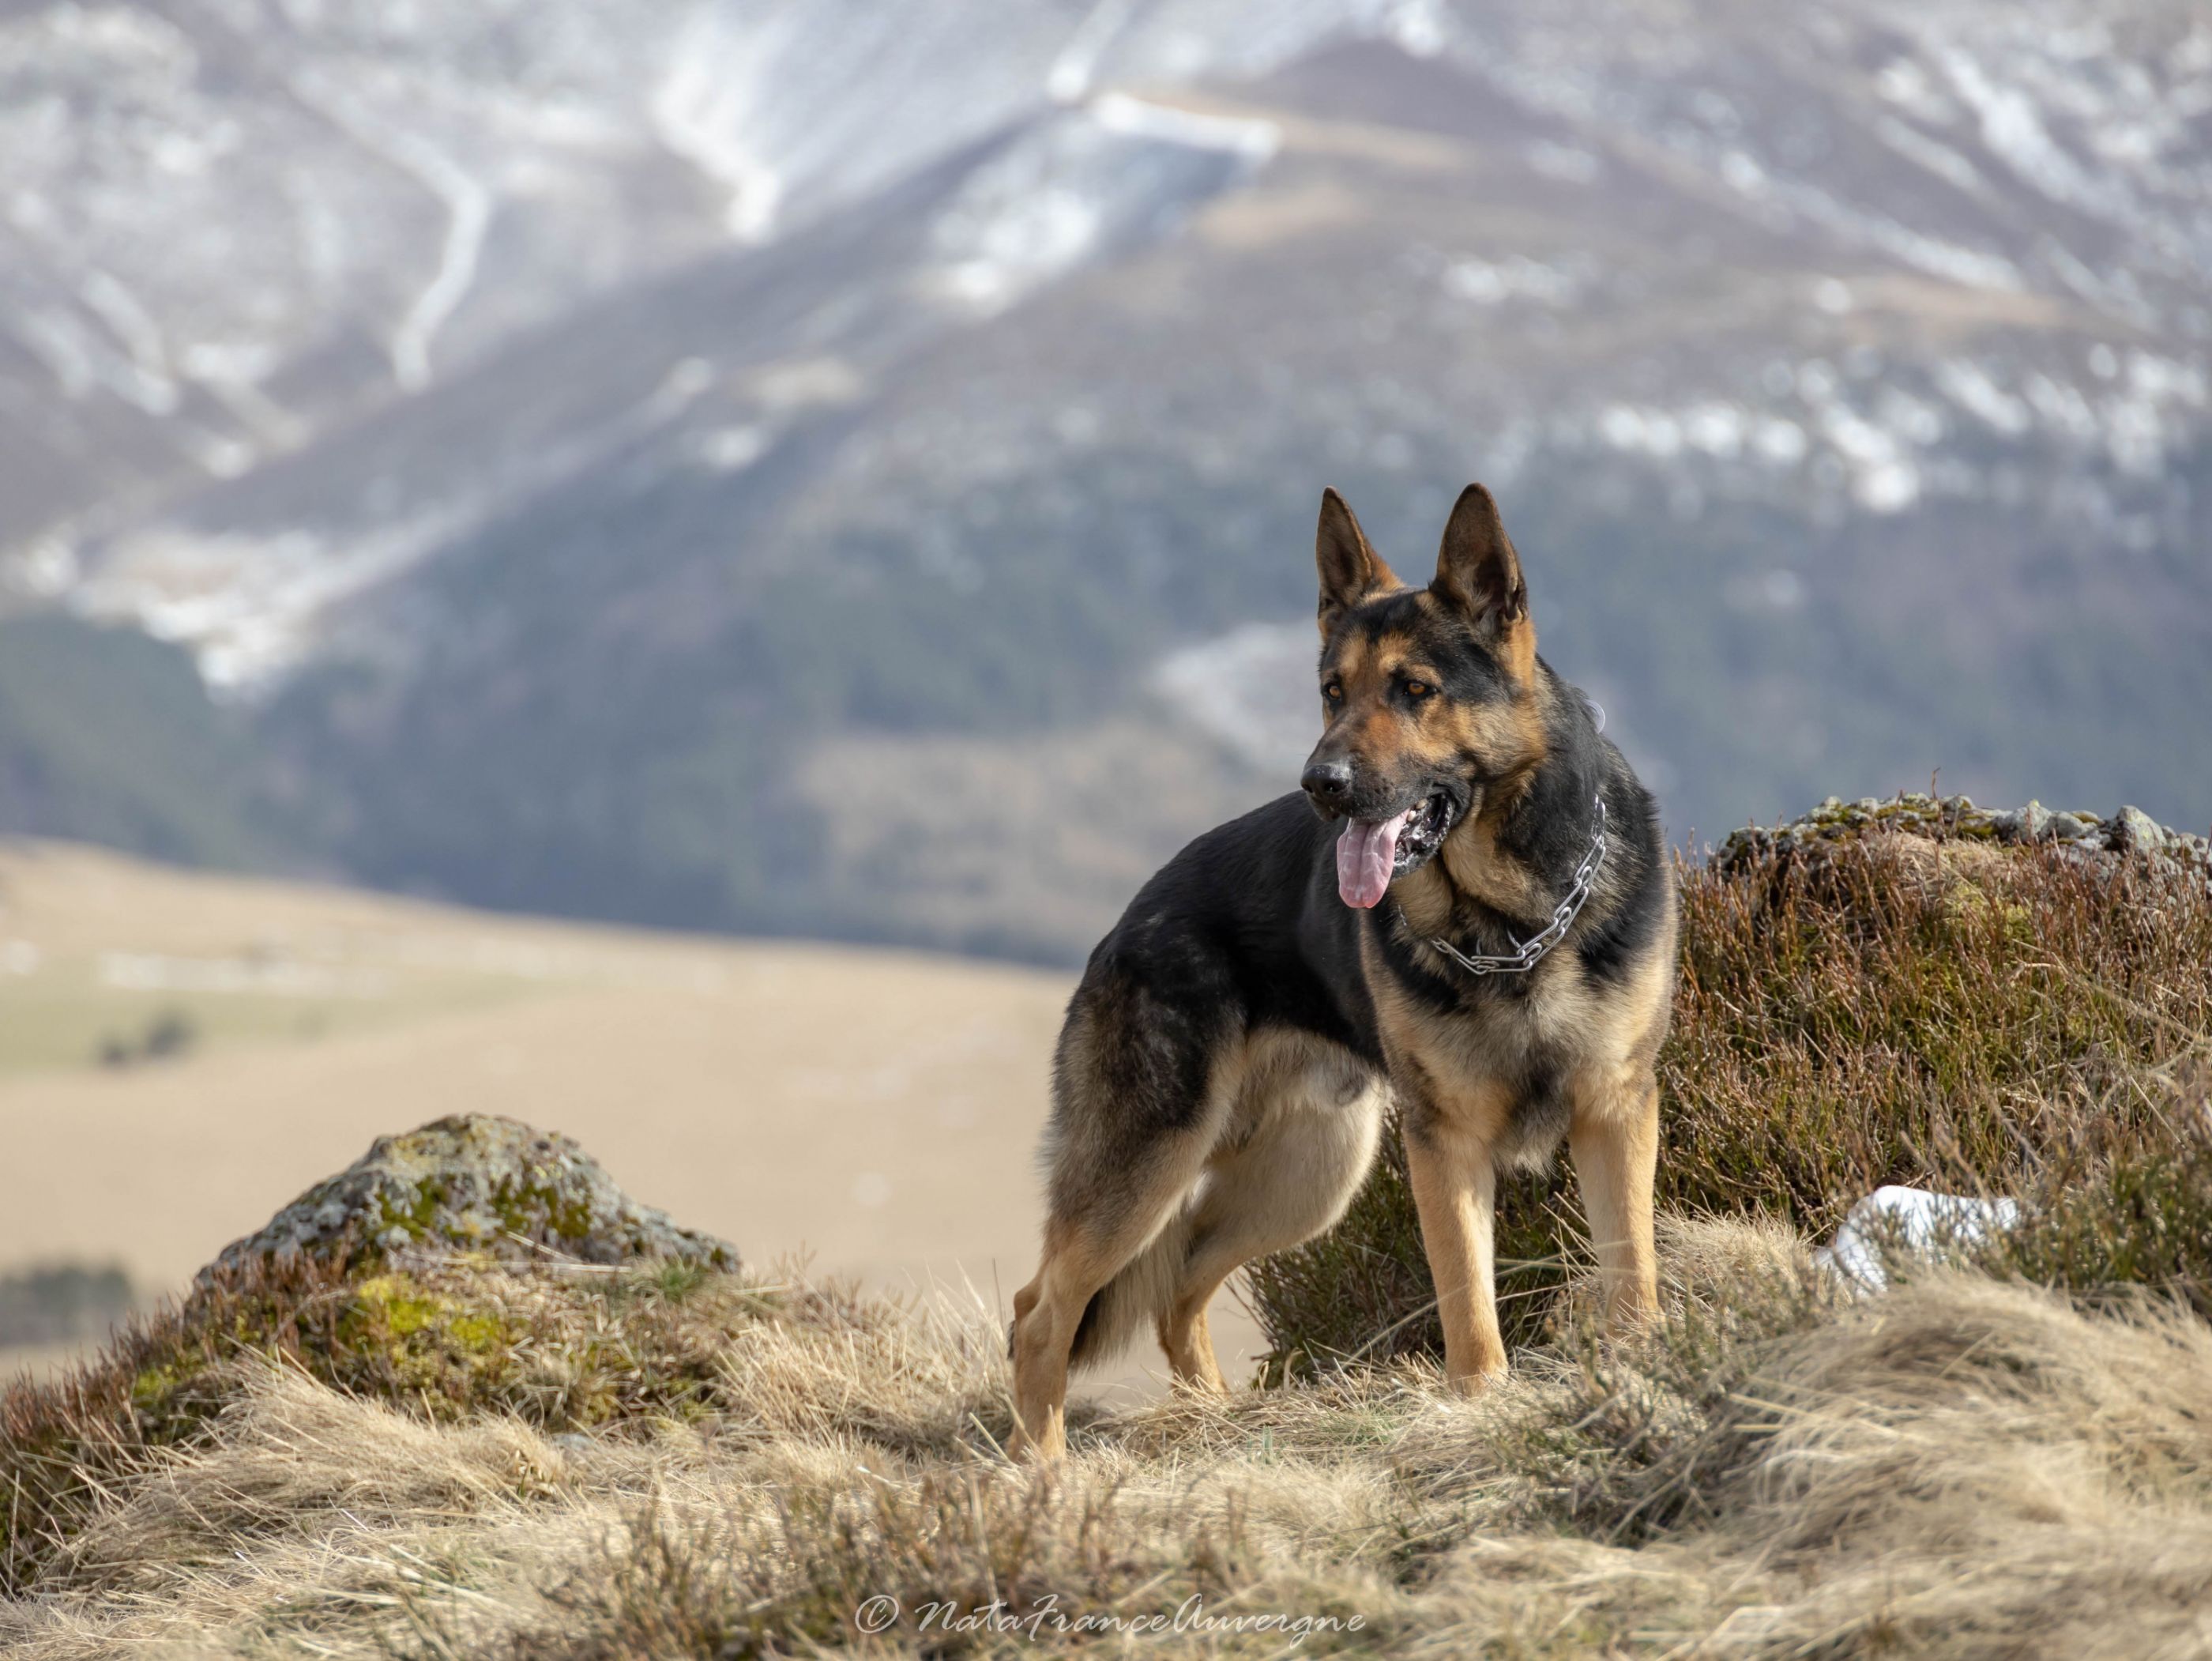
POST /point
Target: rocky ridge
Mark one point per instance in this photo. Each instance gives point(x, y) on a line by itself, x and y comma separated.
point(2130, 831)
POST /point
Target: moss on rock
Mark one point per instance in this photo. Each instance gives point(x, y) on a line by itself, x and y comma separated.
point(474, 1183)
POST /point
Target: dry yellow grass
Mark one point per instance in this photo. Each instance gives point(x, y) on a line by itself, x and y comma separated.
point(1961, 1467)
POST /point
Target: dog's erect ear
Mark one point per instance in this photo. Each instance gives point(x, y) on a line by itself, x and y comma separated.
point(1477, 570)
point(1350, 569)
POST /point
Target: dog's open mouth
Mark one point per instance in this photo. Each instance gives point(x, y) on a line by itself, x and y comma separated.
point(1371, 854)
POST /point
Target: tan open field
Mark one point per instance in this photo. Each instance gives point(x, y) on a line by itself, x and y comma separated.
point(876, 1109)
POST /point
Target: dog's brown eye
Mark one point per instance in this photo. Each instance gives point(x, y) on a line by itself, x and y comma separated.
point(1417, 689)
point(1332, 692)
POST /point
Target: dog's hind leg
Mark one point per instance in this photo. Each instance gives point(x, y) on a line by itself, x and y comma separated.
point(1129, 1143)
point(1316, 1117)
point(1058, 1315)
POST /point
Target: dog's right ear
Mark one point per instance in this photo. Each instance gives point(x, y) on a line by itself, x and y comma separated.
point(1350, 569)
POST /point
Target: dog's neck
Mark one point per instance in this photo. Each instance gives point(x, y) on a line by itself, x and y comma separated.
point(1516, 854)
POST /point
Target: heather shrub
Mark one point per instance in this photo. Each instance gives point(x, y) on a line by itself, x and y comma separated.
point(1896, 997)
point(2119, 1202)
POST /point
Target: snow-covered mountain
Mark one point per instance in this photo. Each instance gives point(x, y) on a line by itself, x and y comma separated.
point(231, 226)
point(847, 467)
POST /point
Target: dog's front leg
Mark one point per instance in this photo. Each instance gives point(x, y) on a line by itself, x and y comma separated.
point(1615, 1140)
point(1454, 1183)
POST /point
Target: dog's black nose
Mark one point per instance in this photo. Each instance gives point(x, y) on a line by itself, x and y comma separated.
point(1328, 781)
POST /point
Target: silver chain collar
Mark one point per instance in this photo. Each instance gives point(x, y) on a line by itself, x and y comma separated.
point(1527, 954)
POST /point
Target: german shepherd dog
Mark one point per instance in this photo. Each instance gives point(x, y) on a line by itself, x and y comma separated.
point(1465, 915)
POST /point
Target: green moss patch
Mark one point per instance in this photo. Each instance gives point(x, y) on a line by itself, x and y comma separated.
point(444, 1339)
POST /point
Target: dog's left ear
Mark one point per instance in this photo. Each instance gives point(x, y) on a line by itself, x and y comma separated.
point(1477, 570)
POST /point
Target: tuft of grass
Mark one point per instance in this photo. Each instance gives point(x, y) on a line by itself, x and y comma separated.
point(1897, 1006)
point(564, 1348)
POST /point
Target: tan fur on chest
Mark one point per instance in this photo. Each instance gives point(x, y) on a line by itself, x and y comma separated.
point(1465, 1048)
point(1470, 1064)
point(1471, 865)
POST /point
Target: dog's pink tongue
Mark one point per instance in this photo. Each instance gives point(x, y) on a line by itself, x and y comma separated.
point(1364, 855)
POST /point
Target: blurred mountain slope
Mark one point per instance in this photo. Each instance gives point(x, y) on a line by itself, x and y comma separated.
point(907, 538)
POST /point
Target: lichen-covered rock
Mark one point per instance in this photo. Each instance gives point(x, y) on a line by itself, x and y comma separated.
point(477, 1183)
point(2083, 836)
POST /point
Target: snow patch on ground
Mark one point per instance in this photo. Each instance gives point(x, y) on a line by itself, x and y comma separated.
point(468, 203)
point(1077, 185)
point(699, 113)
point(251, 608)
point(1250, 137)
point(1070, 77)
point(1910, 1219)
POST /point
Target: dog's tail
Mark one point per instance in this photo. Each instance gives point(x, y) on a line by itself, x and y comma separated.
point(1144, 1290)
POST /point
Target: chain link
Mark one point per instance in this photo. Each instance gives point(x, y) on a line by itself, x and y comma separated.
point(1527, 954)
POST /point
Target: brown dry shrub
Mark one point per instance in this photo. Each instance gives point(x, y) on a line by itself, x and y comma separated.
point(1940, 1010)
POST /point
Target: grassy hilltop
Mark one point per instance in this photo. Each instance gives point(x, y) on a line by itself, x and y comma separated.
point(2008, 1452)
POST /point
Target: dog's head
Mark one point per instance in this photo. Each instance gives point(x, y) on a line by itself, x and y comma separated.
point(1427, 694)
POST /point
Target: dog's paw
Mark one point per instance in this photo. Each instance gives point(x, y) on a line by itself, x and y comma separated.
point(1047, 1450)
point(1474, 1382)
point(1049, 1446)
